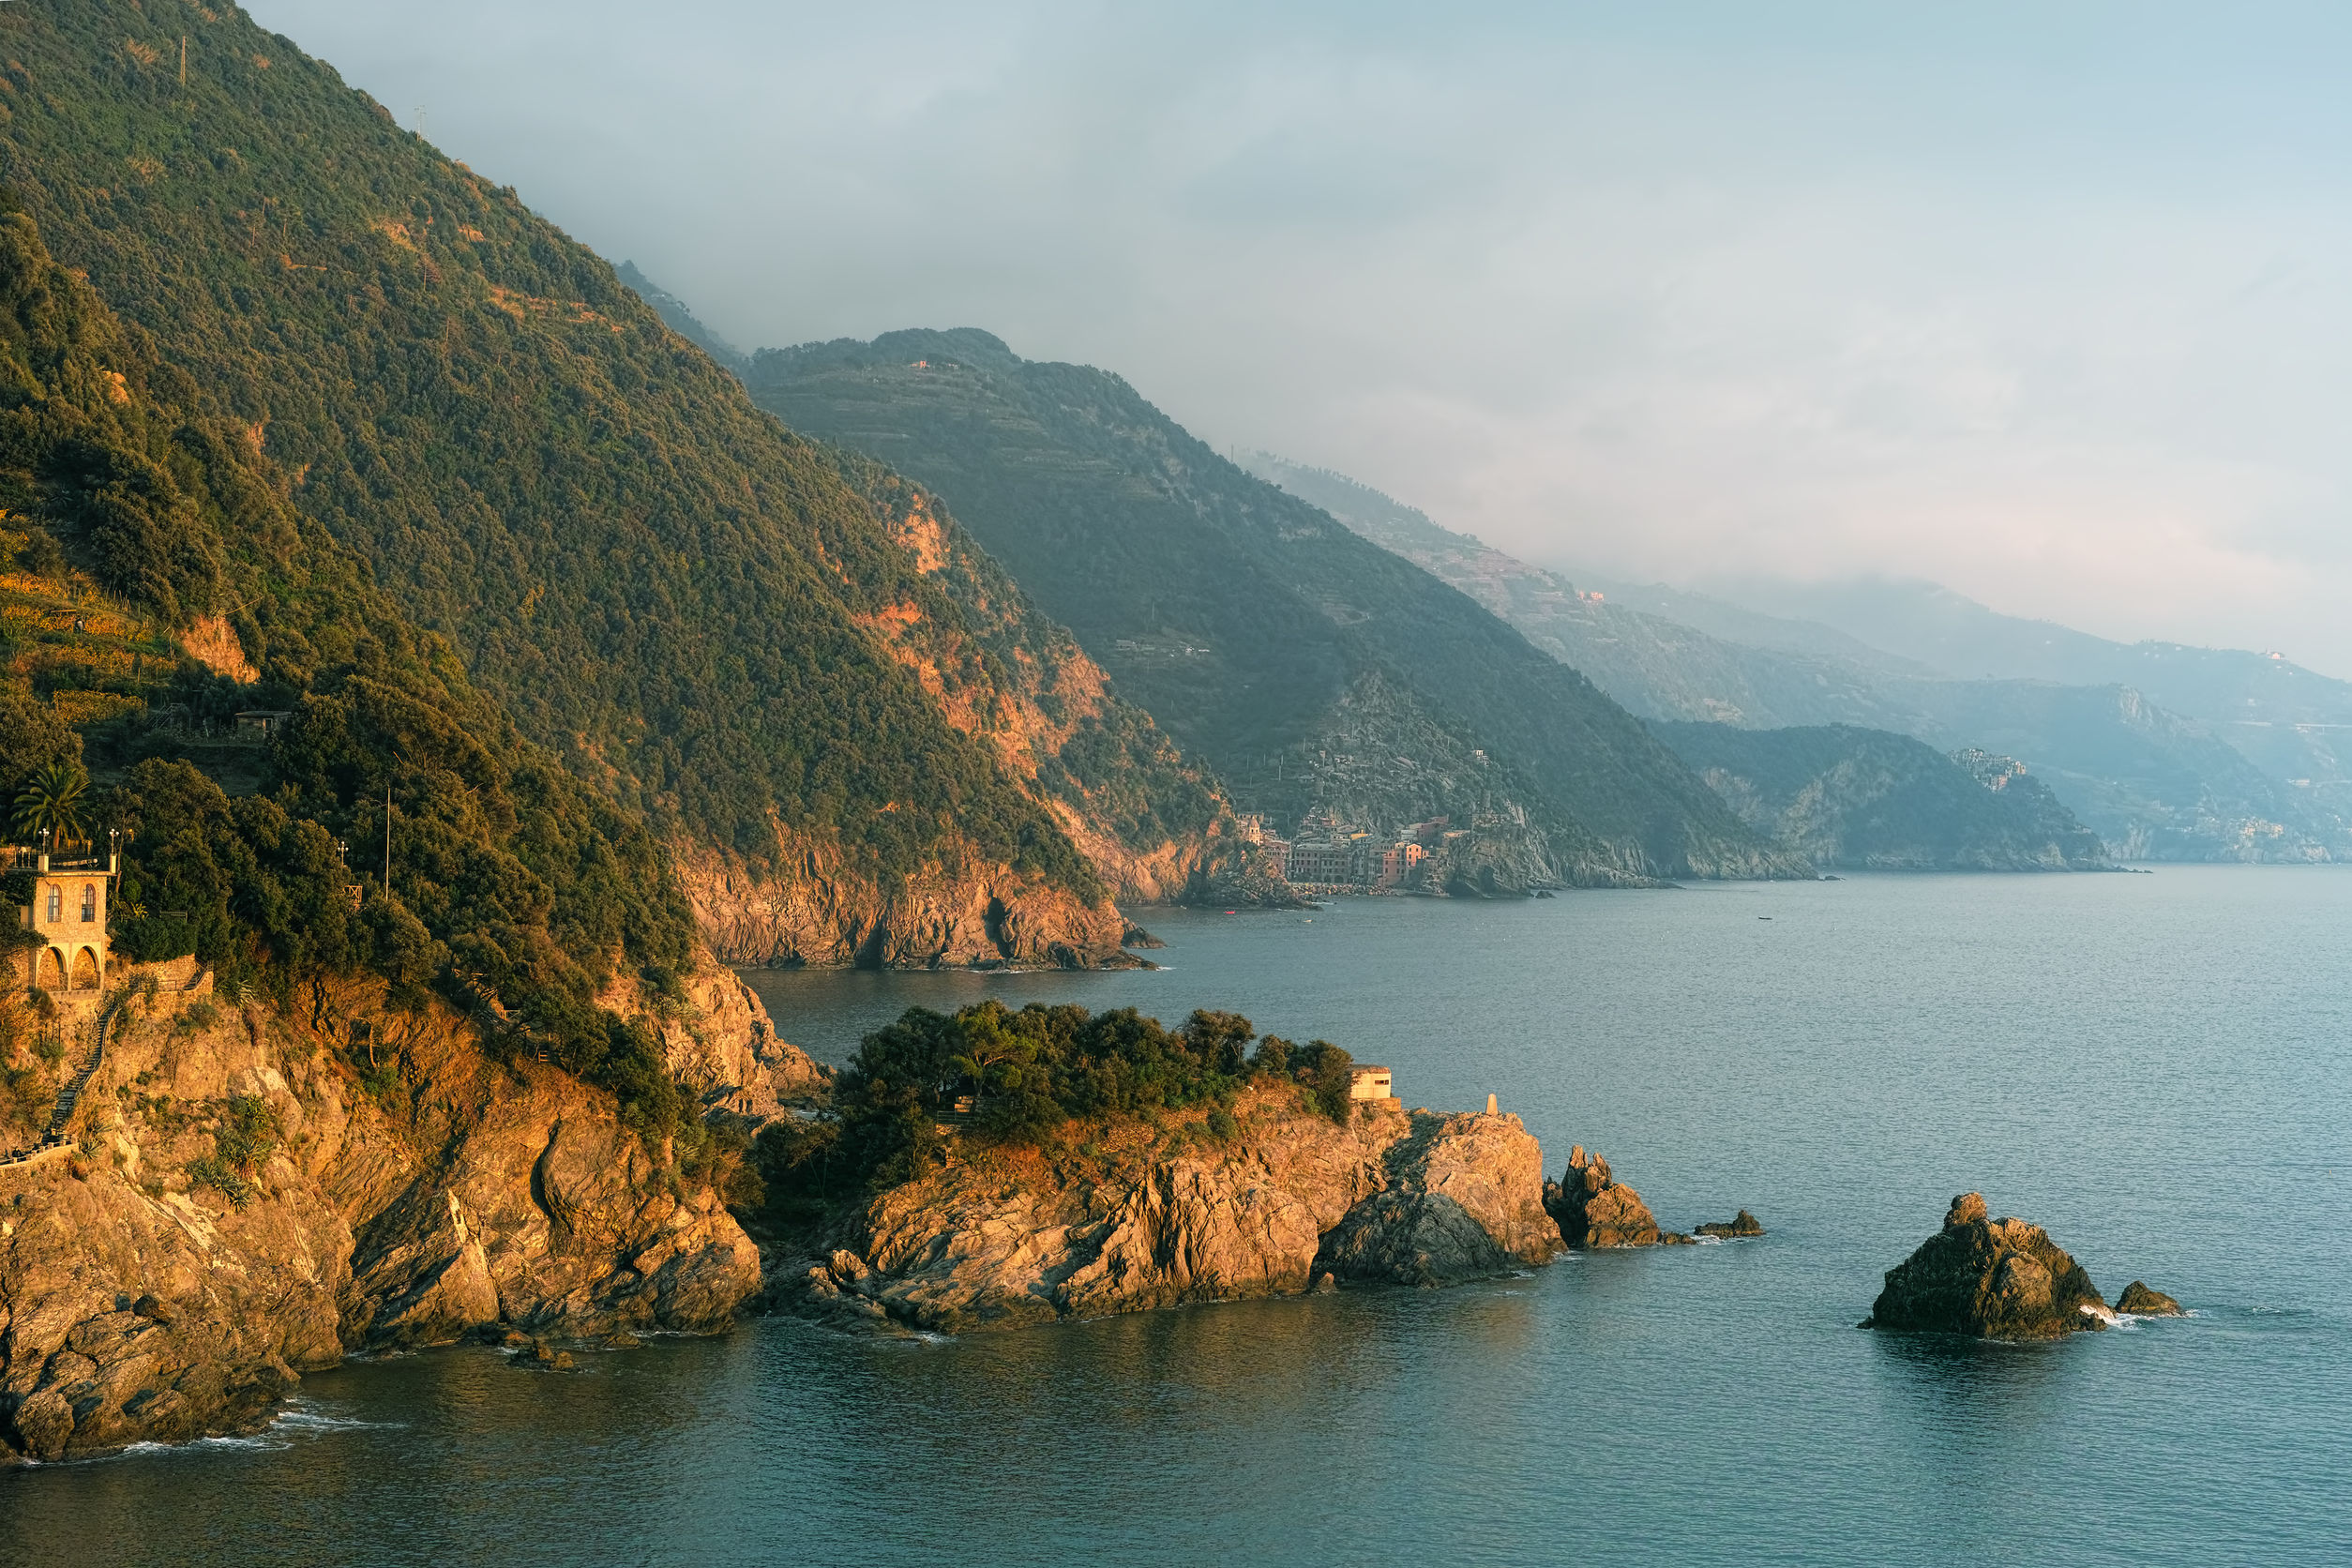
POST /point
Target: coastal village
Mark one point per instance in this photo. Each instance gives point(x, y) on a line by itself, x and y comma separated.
point(1328, 856)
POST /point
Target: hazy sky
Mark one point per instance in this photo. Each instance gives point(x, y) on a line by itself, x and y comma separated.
point(2049, 302)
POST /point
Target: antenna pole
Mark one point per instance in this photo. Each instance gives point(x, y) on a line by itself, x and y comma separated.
point(387, 838)
point(183, 59)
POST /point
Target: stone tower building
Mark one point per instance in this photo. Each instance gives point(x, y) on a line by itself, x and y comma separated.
point(69, 913)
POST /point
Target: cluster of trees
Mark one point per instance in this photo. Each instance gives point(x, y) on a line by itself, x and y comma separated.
point(1029, 1072)
point(511, 879)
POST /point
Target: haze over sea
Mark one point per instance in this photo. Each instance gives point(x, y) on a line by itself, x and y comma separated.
point(2150, 1066)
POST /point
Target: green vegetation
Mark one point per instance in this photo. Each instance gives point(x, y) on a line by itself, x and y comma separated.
point(1029, 1072)
point(1245, 620)
point(1865, 798)
point(510, 879)
point(50, 802)
point(241, 1143)
point(650, 575)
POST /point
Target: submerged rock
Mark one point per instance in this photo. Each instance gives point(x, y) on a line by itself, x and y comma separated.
point(1593, 1209)
point(1989, 1278)
point(2140, 1301)
point(1744, 1225)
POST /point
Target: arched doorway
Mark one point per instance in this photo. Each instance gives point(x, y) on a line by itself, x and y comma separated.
point(51, 970)
point(85, 971)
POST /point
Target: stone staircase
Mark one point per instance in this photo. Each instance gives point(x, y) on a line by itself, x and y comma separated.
point(69, 1097)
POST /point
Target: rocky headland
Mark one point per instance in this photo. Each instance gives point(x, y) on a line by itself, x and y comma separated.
point(1997, 1279)
point(250, 1192)
point(1158, 1211)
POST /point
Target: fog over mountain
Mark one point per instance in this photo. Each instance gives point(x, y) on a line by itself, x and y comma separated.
point(2046, 306)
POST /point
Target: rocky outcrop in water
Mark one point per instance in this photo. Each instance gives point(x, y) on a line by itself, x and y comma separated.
point(1742, 1225)
point(1594, 1210)
point(2139, 1300)
point(1157, 1215)
point(1989, 1278)
point(255, 1193)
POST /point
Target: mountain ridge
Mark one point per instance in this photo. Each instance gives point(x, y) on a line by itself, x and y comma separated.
point(1310, 668)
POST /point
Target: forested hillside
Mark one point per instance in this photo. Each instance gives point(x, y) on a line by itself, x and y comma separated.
point(687, 603)
point(144, 539)
point(1867, 799)
point(1309, 667)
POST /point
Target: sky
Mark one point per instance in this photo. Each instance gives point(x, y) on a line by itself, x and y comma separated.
point(2047, 302)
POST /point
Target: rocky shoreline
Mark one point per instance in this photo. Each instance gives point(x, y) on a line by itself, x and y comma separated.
point(254, 1193)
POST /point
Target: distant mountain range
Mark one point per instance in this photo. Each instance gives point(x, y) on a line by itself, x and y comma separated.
point(2250, 775)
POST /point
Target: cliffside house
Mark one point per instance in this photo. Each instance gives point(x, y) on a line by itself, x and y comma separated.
point(68, 914)
point(1369, 1083)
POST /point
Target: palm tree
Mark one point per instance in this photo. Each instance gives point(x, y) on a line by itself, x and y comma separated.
point(52, 801)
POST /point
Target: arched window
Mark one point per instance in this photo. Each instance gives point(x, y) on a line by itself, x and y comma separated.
point(89, 901)
point(56, 904)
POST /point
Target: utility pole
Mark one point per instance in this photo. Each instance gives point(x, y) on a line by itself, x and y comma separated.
point(183, 59)
point(387, 838)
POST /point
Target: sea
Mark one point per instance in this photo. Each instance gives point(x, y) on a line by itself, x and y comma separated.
point(2154, 1067)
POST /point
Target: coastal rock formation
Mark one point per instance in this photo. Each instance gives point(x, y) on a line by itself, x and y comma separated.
point(1744, 1223)
point(254, 1193)
point(2140, 1301)
point(1991, 1278)
point(1464, 1198)
point(722, 1045)
point(1160, 1215)
point(1594, 1210)
point(960, 912)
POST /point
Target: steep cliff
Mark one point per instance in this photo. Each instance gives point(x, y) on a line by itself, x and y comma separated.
point(253, 1192)
point(808, 903)
point(1150, 1211)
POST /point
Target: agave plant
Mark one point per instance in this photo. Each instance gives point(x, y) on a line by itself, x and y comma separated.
point(52, 801)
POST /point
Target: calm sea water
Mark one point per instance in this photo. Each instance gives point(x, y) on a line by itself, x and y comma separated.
point(2152, 1066)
